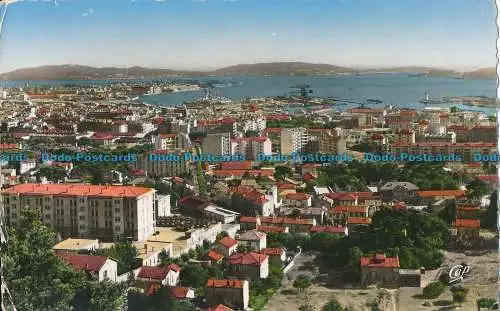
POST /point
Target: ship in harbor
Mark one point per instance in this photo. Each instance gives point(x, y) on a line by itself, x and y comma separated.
point(208, 98)
point(428, 101)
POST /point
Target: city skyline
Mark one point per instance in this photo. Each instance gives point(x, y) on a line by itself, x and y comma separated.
point(211, 34)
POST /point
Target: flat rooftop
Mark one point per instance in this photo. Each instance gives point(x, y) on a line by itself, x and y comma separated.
point(75, 244)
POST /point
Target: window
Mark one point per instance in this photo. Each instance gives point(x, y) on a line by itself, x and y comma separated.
point(117, 201)
point(117, 210)
point(105, 274)
point(117, 218)
point(117, 228)
point(82, 217)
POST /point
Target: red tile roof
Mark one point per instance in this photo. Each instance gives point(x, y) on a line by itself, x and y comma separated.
point(298, 196)
point(380, 261)
point(490, 178)
point(248, 259)
point(168, 136)
point(8, 146)
point(359, 220)
point(225, 283)
point(227, 242)
point(153, 287)
point(467, 223)
point(215, 256)
point(78, 190)
point(174, 267)
point(442, 193)
point(348, 209)
point(222, 308)
point(286, 186)
point(83, 262)
point(328, 229)
point(236, 165)
point(155, 273)
point(179, 292)
point(268, 229)
point(272, 251)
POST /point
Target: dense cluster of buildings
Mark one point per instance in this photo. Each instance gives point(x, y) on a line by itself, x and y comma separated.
point(244, 198)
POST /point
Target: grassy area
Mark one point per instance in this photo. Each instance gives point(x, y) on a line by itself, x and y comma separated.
point(258, 302)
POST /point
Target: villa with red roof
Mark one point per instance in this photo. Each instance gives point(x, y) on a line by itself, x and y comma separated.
point(147, 276)
point(99, 267)
point(181, 293)
point(380, 270)
point(227, 246)
point(262, 204)
point(467, 227)
point(234, 293)
point(297, 200)
point(254, 239)
point(252, 265)
point(277, 255)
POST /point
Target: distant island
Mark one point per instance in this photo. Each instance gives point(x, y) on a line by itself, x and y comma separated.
point(79, 72)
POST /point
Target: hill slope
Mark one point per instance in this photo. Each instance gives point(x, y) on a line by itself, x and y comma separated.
point(76, 72)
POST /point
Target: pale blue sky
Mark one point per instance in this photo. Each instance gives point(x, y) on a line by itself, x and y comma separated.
point(187, 34)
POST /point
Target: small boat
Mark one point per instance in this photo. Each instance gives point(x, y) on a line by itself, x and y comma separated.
point(374, 101)
point(428, 101)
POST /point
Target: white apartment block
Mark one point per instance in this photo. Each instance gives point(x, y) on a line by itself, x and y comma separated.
point(157, 164)
point(252, 124)
point(293, 140)
point(86, 211)
point(217, 144)
point(332, 142)
point(250, 147)
point(170, 141)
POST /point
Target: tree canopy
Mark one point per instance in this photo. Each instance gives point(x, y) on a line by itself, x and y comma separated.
point(27, 259)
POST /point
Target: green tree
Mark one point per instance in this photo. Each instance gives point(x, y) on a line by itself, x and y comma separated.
point(333, 305)
point(124, 253)
point(476, 189)
point(490, 218)
point(459, 294)
point(449, 212)
point(433, 290)
point(281, 172)
point(302, 283)
point(193, 276)
point(295, 213)
point(29, 257)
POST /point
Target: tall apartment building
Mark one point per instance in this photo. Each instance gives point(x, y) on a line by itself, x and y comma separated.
point(332, 142)
point(293, 140)
point(157, 164)
point(86, 211)
point(250, 147)
point(217, 144)
point(170, 141)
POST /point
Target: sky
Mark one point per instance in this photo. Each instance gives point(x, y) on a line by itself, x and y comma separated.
point(209, 34)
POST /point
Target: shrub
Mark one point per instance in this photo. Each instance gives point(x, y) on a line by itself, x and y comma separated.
point(433, 290)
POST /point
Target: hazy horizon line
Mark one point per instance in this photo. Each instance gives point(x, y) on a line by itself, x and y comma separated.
point(209, 69)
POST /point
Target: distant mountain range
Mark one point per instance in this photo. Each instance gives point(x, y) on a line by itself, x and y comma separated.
point(76, 72)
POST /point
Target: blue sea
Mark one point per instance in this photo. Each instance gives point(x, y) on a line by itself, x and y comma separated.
point(393, 89)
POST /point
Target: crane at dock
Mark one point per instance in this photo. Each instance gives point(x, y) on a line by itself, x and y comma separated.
point(303, 91)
